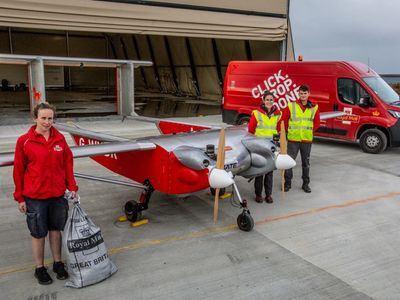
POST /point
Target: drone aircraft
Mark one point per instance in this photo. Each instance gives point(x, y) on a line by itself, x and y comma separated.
point(184, 158)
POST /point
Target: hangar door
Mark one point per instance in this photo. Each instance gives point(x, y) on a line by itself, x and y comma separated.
point(189, 42)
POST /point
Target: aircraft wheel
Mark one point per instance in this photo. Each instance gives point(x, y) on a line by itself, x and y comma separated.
point(132, 211)
point(245, 221)
point(221, 191)
point(373, 141)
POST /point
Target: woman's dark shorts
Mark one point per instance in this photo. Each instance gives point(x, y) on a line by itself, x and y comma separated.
point(46, 215)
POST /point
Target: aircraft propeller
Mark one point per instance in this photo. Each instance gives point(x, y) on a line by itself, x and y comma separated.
point(283, 146)
point(283, 160)
point(219, 178)
point(220, 172)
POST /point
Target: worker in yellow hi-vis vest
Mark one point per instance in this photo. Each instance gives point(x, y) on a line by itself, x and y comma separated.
point(265, 122)
point(301, 121)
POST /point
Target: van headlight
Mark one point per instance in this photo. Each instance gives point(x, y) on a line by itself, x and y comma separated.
point(394, 113)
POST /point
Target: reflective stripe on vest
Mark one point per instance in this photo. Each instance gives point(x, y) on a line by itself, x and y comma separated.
point(301, 124)
point(266, 127)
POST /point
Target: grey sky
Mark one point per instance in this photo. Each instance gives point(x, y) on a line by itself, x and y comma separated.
point(348, 30)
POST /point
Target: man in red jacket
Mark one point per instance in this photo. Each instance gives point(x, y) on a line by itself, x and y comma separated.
point(43, 170)
point(301, 121)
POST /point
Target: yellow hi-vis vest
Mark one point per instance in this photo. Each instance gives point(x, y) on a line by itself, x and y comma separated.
point(266, 127)
point(301, 123)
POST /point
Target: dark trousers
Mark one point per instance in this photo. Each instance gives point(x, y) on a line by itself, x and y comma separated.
point(258, 184)
point(293, 149)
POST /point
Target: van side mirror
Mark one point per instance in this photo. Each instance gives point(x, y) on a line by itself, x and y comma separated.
point(364, 101)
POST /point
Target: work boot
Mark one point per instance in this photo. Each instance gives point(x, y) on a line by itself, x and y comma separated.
point(42, 276)
point(306, 188)
point(259, 199)
point(59, 269)
point(287, 187)
point(268, 199)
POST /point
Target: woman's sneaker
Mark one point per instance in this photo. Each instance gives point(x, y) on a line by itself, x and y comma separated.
point(59, 269)
point(42, 276)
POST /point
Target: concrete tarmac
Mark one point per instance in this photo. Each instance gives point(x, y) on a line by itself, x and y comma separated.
point(339, 242)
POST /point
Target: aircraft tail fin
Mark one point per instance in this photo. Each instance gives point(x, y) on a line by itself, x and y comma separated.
point(170, 127)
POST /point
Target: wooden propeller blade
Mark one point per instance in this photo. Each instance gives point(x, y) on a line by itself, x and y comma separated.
point(283, 147)
point(216, 203)
point(283, 139)
point(219, 165)
point(221, 150)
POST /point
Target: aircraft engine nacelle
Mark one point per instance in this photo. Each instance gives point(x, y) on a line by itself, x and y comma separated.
point(193, 158)
point(262, 154)
point(236, 160)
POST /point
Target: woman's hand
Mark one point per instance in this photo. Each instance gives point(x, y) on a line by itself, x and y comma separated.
point(22, 207)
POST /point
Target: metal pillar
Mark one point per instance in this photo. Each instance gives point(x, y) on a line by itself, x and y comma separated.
point(137, 50)
point(121, 39)
point(37, 91)
point(283, 50)
point(125, 85)
point(217, 63)
point(67, 82)
point(195, 81)
point(153, 59)
point(249, 55)
point(10, 40)
point(171, 63)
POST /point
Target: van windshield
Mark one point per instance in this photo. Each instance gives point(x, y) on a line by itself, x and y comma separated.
point(382, 89)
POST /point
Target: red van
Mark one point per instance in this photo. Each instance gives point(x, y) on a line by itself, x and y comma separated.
point(372, 107)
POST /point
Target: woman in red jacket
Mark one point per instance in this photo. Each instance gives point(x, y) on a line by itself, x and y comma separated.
point(43, 170)
point(265, 122)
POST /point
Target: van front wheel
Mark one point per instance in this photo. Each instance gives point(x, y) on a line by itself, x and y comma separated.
point(373, 141)
point(243, 120)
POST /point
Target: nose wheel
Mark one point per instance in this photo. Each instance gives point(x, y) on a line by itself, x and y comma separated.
point(244, 220)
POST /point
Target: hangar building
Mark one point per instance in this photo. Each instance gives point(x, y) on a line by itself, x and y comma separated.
point(189, 42)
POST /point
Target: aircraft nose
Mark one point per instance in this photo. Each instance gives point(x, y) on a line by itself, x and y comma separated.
point(284, 161)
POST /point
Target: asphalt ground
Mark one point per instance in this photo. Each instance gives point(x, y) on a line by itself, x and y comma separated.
point(339, 242)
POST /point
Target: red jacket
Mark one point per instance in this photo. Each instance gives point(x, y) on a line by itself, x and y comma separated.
point(286, 116)
point(253, 121)
point(42, 169)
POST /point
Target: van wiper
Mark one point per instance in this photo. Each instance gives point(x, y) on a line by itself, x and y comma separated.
point(395, 102)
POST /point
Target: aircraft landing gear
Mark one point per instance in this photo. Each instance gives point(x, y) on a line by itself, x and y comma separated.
point(245, 220)
point(133, 210)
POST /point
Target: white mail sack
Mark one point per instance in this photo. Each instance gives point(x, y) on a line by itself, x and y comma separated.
point(86, 254)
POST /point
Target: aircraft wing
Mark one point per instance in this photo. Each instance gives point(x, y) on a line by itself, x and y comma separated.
point(110, 144)
point(331, 114)
point(170, 127)
point(7, 159)
point(107, 148)
point(90, 134)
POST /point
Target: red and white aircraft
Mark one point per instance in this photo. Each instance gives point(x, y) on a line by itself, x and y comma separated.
point(185, 158)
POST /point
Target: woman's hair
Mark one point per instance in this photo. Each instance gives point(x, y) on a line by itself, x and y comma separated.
point(267, 93)
point(43, 105)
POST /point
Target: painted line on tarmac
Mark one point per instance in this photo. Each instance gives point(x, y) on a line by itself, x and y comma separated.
point(319, 209)
point(222, 229)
